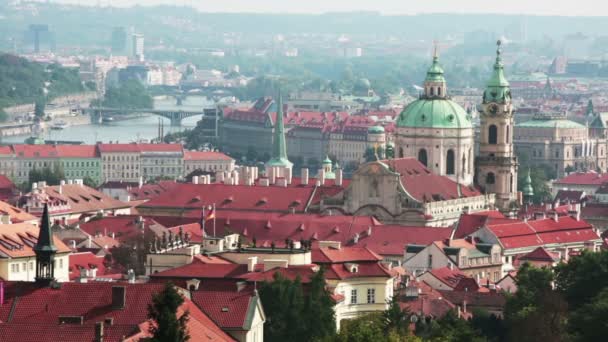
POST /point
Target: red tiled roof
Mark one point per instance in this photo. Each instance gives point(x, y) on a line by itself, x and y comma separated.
point(544, 231)
point(328, 255)
point(305, 272)
point(77, 151)
point(201, 270)
point(242, 197)
point(41, 307)
point(469, 223)
point(35, 151)
point(593, 210)
point(124, 227)
point(429, 301)
point(82, 198)
point(454, 278)
point(87, 260)
point(17, 215)
point(425, 186)
point(18, 240)
point(364, 269)
point(477, 299)
point(149, 191)
point(205, 155)
point(583, 178)
point(227, 307)
point(6, 150)
point(62, 332)
point(540, 254)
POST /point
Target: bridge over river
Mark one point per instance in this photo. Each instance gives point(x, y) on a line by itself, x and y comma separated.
point(175, 115)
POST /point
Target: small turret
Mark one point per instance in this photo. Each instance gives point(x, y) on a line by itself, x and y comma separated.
point(528, 190)
point(497, 88)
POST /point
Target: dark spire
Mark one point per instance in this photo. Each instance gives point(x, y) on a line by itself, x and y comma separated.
point(45, 251)
point(45, 237)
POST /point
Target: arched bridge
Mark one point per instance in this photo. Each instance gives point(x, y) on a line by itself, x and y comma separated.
point(176, 116)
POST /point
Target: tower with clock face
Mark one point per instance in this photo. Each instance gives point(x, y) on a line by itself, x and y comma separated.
point(496, 163)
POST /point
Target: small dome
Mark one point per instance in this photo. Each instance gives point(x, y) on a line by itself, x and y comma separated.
point(327, 160)
point(363, 84)
point(375, 129)
point(434, 113)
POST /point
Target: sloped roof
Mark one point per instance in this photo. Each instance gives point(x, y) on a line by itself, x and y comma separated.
point(205, 155)
point(42, 307)
point(425, 186)
point(18, 240)
point(17, 215)
point(77, 151)
point(344, 254)
point(226, 306)
point(583, 178)
point(541, 232)
point(124, 227)
point(540, 254)
point(569, 196)
point(199, 269)
point(82, 198)
point(469, 223)
point(242, 197)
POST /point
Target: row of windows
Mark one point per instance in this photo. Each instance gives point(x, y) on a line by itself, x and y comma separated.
point(16, 267)
point(371, 296)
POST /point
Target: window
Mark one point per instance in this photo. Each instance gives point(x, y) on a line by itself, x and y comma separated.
point(490, 178)
point(400, 152)
point(449, 163)
point(371, 296)
point(496, 276)
point(507, 135)
point(463, 261)
point(511, 183)
point(353, 296)
point(493, 135)
point(430, 261)
point(422, 157)
point(15, 268)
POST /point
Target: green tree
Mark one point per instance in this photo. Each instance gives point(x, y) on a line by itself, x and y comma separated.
point(395, 318)
point(283, 304)
point(52, 176)
point(447, 328)
point(488, 325)
point(582, 277)
point(39, 108)
point(535, 312)
point(3, 115)
point(130, 94)
point(252, 154)
point(370, 154)
point(90, 182)
point(163, 311)
point(588, 322)
point(319, 308)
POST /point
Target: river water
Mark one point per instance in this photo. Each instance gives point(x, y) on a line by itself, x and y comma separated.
point(125, 131)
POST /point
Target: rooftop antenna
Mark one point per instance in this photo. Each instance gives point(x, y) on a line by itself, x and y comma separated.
point(435, 49)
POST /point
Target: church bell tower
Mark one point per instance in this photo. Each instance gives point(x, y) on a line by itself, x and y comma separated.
point(496, 164)
point(45, 251)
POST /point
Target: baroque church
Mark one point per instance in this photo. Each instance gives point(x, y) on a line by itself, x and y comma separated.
point(436, 175)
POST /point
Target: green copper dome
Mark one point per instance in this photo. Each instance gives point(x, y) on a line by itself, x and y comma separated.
point(327, 160)
point(375, 129)
point(434, 113)
point(435, 72)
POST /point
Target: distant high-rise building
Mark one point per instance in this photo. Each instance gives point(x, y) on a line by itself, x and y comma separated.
point(138, 47)
point(38, 36)
point(119, 40)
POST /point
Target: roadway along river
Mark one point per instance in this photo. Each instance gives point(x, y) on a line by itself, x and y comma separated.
point(145, 127)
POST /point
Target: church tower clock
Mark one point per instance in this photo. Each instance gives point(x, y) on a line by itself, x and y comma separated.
point(496, 163)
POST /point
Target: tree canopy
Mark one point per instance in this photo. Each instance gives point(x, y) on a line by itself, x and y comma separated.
point(163, 311)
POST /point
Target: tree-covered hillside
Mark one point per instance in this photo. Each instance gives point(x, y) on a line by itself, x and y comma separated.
point(22, 81)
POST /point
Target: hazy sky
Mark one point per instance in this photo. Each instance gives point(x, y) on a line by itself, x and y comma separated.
point(539, 7)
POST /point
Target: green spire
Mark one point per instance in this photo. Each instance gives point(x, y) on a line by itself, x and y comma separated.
point(279, 148)
point(45, 237)
point(528, 191)
point(435, 72)
point(497, 88)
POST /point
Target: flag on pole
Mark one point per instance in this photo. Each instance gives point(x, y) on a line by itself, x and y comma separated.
point(211, 214)
point(202, 223)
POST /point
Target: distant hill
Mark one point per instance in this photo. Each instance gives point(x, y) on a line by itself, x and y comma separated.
point(22, 81)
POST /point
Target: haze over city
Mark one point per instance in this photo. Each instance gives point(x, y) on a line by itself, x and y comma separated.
point(336, 171)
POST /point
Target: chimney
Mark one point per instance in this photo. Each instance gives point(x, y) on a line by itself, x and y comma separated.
point(62, 182)
point(539, 215)
point(70, 182)
point(264, 181)
point(140, 182)
point(194, 179)
point(339, 177)
point(282, 182)
point(464, 305)
point(575, 214)
point(555, 216)
point(99, 332)
point(272, 175)
point(119, 297)
point(288, 175)
point(304, 176)
point(251, 262)
point(219, 176)
point(369, 231)
point(321, 176)
point(235, 177)
point(131, 276)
